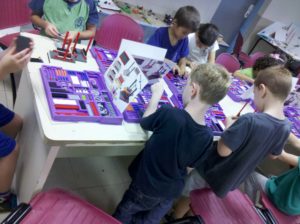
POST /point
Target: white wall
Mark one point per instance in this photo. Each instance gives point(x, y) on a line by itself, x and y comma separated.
point(206, 8)
point(287, 11)
point(284, 11)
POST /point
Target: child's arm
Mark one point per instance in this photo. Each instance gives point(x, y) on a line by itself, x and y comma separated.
point(181, 66)
point(49, 28)
point(294, 141)
point(288, 158)
point(238, 74)
point(157, 91)
point(222, 149)
point(212, 57)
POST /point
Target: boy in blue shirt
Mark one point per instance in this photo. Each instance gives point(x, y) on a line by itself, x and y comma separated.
point(179, 140)
point(10, 124)
point(246, 141)
point(174, 38)
point(56, 17)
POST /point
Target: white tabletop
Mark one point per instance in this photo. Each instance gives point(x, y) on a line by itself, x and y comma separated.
point(86, 132)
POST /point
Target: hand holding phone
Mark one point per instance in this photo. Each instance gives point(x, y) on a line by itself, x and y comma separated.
point(22, 43)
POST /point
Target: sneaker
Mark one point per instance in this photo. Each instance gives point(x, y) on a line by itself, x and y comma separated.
point(9, 204)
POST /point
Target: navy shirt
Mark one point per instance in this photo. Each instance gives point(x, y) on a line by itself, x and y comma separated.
point(177, 142)
point(37, 7)
point(161, 39)
point(251, 138)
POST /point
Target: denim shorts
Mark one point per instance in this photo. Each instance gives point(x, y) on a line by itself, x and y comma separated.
point(7, 144)
point(137, 207)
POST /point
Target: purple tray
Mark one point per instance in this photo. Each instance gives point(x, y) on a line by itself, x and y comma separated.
point(293, 114)
point(135, 110)
point(236, 89)
point(78, 96)
point(103, 57)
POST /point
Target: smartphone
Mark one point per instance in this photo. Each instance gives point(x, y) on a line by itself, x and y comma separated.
point(38, 60)
point(22, 43)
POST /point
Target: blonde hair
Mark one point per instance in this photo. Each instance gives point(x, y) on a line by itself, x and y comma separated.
point(214, 81)
point(277, 79)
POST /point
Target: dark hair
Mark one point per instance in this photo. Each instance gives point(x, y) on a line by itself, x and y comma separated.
point(187, 17)
point(208, 34)
point(277, 79)
point(266, 62)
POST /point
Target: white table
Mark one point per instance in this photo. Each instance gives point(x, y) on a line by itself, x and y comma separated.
point(42, 139)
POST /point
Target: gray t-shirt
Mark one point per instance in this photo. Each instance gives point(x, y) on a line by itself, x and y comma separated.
point(251, 138)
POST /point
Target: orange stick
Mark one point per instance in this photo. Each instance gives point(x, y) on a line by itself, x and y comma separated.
point(239, 113)
point(75, 43)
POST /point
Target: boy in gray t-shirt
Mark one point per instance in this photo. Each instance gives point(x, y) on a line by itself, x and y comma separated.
point(247, 140)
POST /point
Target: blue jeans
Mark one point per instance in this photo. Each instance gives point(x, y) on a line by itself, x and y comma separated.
point(138, 208)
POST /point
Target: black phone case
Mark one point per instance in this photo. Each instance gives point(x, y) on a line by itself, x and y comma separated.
point(22, 43)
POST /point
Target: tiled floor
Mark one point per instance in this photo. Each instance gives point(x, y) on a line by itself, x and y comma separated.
point(101, 180)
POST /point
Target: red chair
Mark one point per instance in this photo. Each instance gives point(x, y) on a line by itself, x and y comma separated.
point(235, 208)
point(228, 61)
point(116, 27)
point(13, 13)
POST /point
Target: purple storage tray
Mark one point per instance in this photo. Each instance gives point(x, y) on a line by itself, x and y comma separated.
point(78, 96)
point(236, 89)
point(135, 110)
point(103, 57)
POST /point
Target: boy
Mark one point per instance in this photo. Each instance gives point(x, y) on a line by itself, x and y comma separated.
point(203, 45)
point(60, 16)
point(249, 74)
point(246, 142)
point(10, 125)
point(174, 38)
point(179, 140)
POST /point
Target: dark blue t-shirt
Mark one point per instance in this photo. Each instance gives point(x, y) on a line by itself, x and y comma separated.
point(161, 39)
point(37, 6)
point(251, 138)
point(177, 142)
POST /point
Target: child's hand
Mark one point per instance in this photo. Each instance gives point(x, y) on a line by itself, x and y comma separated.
point(71, 37)
point(230, 120)
point(12, 61)
point(51, 30)
point(157, 89)
point(177, 71)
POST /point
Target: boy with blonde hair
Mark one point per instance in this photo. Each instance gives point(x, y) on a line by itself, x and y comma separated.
point(179, 140)
point(246, 141)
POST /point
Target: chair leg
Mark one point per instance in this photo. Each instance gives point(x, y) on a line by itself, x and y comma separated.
point(13, 87)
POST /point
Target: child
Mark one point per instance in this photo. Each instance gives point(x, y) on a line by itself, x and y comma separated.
point(10, 124)
point(282, 190)
point(179, 140)
point(174, 38)
point(203, 45)
point(56, 17)
point(246, 142)
point(249, 74)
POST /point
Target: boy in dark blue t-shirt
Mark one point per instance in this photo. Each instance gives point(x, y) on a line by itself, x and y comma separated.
point(174, 38)
point(179, 140)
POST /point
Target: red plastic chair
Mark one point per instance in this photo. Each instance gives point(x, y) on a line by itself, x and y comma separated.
point(228, 61)
point(13, 13)
point(116, 27)
point(235, 208)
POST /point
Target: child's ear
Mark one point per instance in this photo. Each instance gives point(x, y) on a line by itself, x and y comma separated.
point(194, 90)
point(262, 89)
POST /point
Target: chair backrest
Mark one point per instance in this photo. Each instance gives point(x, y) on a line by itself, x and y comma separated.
point(116, 27)
point(228, 61)
point(14, 13)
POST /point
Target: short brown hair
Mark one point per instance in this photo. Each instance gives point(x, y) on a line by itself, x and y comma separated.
point(277, 79)
point(187, 17)
point(214, 81)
